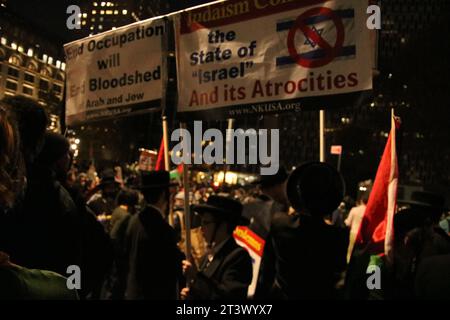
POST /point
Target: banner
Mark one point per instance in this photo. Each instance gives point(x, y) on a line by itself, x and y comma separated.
point(114, 73)
point(147, 160)
point(243, 57)
point(255, 248)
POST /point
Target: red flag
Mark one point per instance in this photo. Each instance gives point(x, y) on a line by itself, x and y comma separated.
point(376, 232)
point(160, 161)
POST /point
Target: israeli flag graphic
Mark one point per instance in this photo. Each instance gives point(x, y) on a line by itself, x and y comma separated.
point(324, 27)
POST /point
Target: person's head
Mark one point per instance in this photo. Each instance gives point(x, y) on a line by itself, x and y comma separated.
point(365, 188)
point(315, 188)
point(219, 217)
point(32, 122)
point(55, 154)
point(155, 188)
point(430, 205)
point(11, 168)
point(127, 197)
point(274, 186)
point(108, 184)
point(82, 179)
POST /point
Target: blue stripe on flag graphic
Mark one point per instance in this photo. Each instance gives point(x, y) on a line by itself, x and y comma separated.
point(319, 53)
point(316, 54)
point(344, 14)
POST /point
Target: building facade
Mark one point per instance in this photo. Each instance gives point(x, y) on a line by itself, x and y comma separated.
point(31, 64)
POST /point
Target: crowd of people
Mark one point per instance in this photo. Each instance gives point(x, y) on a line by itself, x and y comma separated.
point(127, 232)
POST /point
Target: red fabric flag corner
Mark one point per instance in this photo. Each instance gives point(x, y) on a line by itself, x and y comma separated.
point(160, 161)
point(376, 232)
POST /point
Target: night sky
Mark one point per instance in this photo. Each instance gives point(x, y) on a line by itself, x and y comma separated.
point(50, 15)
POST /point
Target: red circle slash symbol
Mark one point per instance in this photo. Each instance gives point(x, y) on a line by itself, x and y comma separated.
point(330, 51)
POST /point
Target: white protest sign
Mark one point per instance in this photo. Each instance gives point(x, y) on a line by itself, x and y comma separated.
point(242, 57)
point(116, 72)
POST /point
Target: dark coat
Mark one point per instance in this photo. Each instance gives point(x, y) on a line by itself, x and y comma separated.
point(97, 251)
point(154, 259)
point(227, 276)
point(310, 255)
point(45, 229)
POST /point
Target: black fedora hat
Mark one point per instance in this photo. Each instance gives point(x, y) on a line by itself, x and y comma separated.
point(270, 180)
point(155, 179)
point(315, 187)
point(426, 200)
point(108, 178)
point(224, 208)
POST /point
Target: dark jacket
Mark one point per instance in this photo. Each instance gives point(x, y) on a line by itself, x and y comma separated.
point(310, 255)
point(46, 226)
point(97, 251)
point(154, 259)
point(227, 276)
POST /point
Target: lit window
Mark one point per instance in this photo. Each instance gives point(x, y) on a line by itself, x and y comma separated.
point(100, 27)
point(14, 60)
point(4, 41)
point(84, 15)
point(30, 52)
point(63, 66)
point(58, 64)
point(91, 28)
point(116, 11)
point(44, 57)
point(103, 4)
point(50, 60)
point(20, 49)
point(32, 66)
point(94, 11)
point(14, 46)
point(124, 11)
point(102, 11)
point(84, 23)
point(109, 11)
point(95, 4)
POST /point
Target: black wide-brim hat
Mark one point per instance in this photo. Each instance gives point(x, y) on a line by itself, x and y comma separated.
point(426, 200)
point(270, 180)
point(224, 208)
point(155, 180)
point(107, 178)
point(315, 187)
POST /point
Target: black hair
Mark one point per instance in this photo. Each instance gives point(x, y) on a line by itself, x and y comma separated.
point(152, 195)
point(32, 121)
point(128, 197)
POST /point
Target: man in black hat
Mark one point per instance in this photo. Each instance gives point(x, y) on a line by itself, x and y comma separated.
point(154, 258)
point(310, 254)
point(272, 202)
point(225, 272)
point(103, 202)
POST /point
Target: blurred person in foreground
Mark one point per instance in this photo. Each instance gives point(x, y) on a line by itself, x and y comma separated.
point(310, 254)
point(18, 282)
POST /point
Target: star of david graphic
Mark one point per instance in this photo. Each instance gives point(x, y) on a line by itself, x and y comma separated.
point(309, 41)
